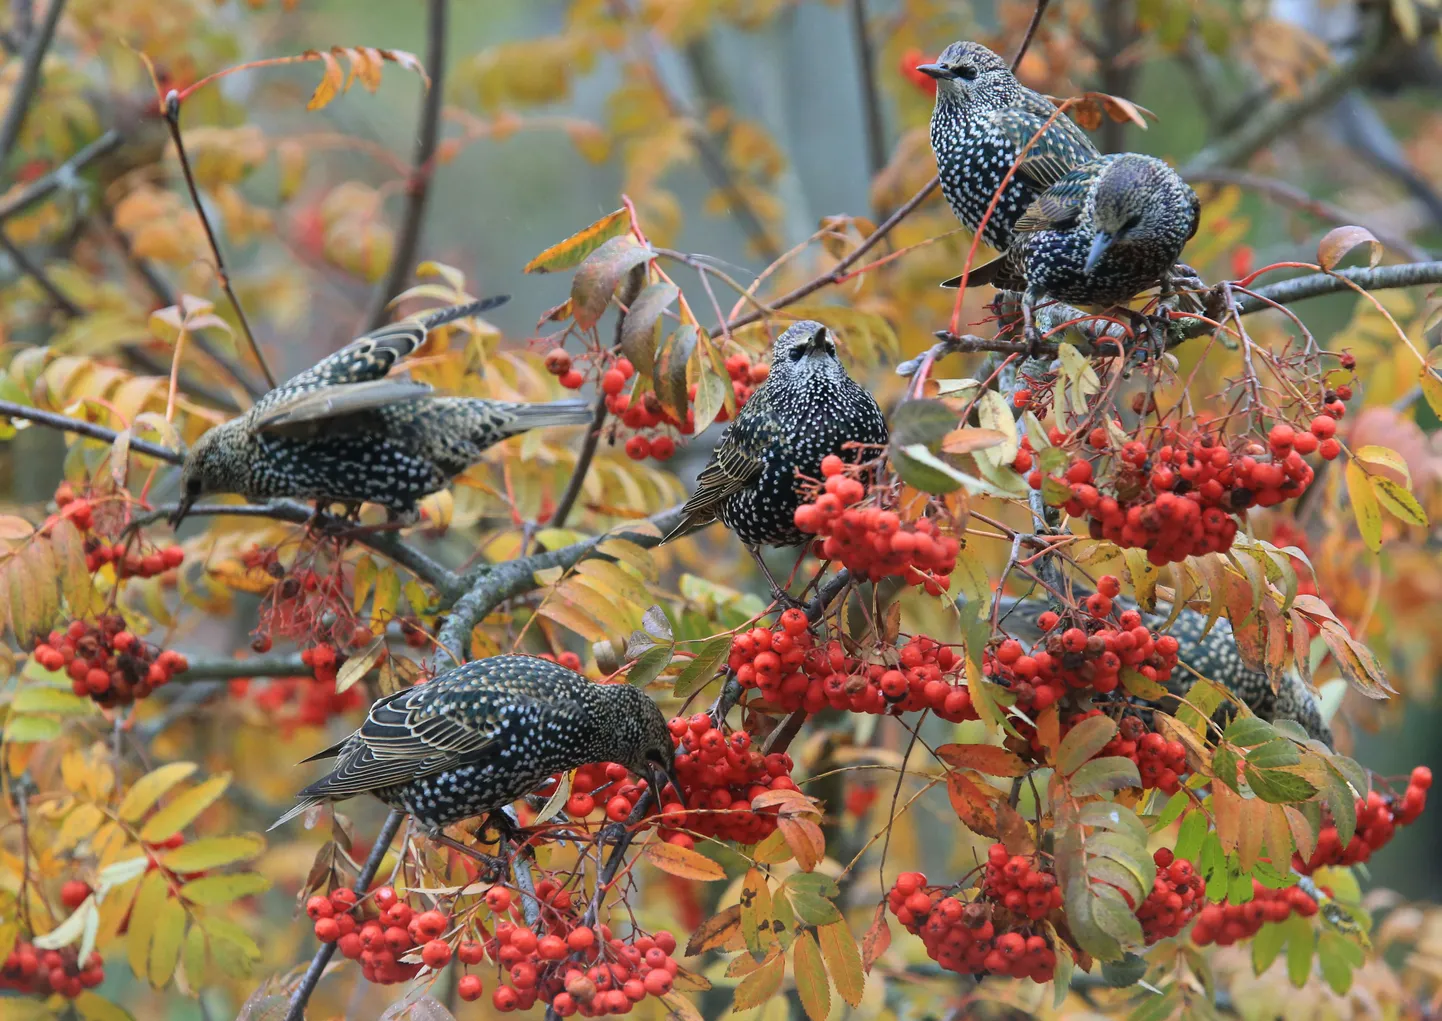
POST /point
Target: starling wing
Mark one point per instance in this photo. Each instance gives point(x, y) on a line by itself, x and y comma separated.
point(737, 462)
point(1058, 149)
point(419, 732)
point(1061, 205)
point(302, 412)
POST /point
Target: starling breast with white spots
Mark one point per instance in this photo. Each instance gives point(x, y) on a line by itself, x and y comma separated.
point(475, 739)
point(807, 408)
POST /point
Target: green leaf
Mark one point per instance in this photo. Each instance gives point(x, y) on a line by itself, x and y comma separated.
point(1190, 835)
point(923, 421)
point(1335, 959)
point(224, 889)
point(1300, 943)
point(1343, 804)
point(699, 672)
point(1113, 773)
point(1280, 752)
point(923, 470)
point(1278, 787)
point(1083, 741)
point(1125, 973)
point(639, 332)
point(38, 698)
point(1266, 945)
point(645, 667)
point(1246, 731)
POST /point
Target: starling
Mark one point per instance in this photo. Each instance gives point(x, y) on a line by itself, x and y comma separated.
point(345, 432)
point(807, 408)
point(1105, 231)
point(1213, 656)
point(472, 740)
point(983, 119)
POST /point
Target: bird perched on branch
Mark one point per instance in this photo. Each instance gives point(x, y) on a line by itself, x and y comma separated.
point(807, 408)
point(345, 431)
point(984, 123)
point(1213, 655)
point(472, 740)
point(1106, 231)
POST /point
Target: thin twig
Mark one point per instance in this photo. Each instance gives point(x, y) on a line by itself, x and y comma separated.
point(172, 118)
point(38, 274)
point(577, 481)
point(418, 184)
point(870, 97)
point(43, 187)
point(24, 92)
point(837, 272)
point(1290, 195)
point(1026, 40)
point(324, 953)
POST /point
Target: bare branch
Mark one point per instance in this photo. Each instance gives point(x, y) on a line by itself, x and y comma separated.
point(1290, 195)
point(1026, 40)
point(418, 185)
point(201, 670)
point(45, 186)
point(38, 274)
point(494, 584)
point(172, 117)
point(9, 409)
point(326, 951)
point(837, 272)
point(35, 50)
point(870, 97)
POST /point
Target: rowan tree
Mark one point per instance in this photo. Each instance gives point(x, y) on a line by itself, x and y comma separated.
point(982, 766)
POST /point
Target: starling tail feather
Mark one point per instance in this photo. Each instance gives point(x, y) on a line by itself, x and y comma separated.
point(346, 431)
point(807, 408)
point(474, 739)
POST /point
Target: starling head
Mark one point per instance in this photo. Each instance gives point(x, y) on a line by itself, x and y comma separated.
point(1126, 190)
point(218, 463)
point(805, 354)
point(651, 752)
point(969, 73)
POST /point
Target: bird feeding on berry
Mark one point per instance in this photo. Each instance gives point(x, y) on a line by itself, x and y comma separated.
point(805, 409)
point(344, 431)
point(474, 739)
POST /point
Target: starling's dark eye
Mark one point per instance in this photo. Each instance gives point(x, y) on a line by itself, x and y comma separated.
point(965, 71)
point(798, 352)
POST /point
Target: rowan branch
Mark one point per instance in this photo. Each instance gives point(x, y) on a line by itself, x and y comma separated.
point(37, 45)
point(1279, 117)
point(326, 951)
point(9, 409)
point(172, 118)
point(46, 185)
point(418, 183)
point(280, 665)
point(37, 273)
point(492, 585)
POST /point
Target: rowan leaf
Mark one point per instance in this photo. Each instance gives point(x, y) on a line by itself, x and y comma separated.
point(212, 890)
point(972, 804)
point(990, 759)
point(671, 361)
point(683, 862)
point(843, 961)
point(599, 275)
point(700, 670)
point(1364, 506)
point(809, 972)
point(359, 664)
point(1083, 741)
point(722, 930)
point(762, 984)
point(757, 914)
point(213, 852)
point(571, 252)
point(1338, 241)
point(165, 944)
point(1398, 500)
point(149, 789)
point(877, 938)
point(183, 811)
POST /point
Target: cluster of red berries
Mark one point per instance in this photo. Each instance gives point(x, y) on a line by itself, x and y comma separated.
point(28, 969)
point(1014, 882)
point(386, 943)
point(1176, 896)
point(323, 661)
point(293, 702)
point(569, 660)
point(1225, 924)
point(721, 775)
point(1179, 495)
point(576, 969)
point(1161, 763)
point(107, 662)
point(130, 563)
point(963, 937)
point(1378, 816)
point(791, 672)
point(873, 543)
point(1090, 653)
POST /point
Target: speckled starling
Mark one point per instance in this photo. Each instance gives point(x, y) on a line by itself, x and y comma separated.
point(982, 120)
point(1213, 656)
point(344, 431)
point(472, 740)
point(807, 408)
point(1105, 231)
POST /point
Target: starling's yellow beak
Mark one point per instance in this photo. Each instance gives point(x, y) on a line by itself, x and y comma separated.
point(936, 70)
point(1100, 244)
